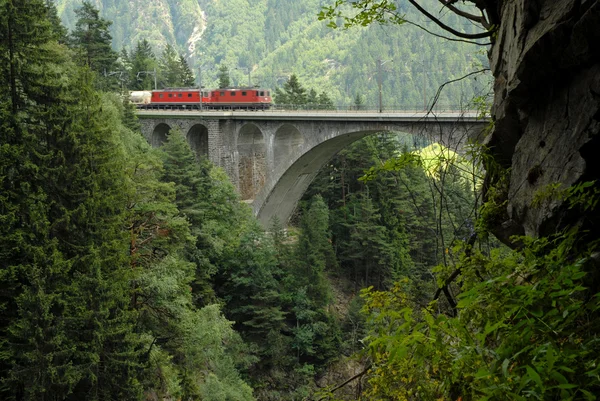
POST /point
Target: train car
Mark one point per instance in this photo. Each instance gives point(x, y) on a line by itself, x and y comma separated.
point(214, 99)
point(180, 98)
point(240, 98)
point(140, 98)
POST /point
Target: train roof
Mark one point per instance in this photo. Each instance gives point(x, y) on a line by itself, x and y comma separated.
point(211, 89)
point(176, 89)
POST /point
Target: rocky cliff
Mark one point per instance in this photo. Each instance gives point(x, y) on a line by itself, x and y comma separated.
point(546, 65)
point(178, 22)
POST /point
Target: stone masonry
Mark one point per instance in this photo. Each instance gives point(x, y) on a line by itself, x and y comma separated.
point(272, 159)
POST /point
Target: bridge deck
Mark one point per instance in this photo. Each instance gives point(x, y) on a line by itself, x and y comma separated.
point(317, 115)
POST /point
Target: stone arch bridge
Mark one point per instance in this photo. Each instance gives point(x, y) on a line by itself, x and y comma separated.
point(272, 156)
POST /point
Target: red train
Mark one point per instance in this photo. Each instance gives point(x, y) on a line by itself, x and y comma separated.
point(189, 98)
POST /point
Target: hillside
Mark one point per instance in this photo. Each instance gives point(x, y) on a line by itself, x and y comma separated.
point(264, 41)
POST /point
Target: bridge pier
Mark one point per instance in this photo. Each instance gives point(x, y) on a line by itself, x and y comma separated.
point(271, 157)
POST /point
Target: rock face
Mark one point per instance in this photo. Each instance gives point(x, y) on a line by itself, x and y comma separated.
point(177, 22)
point(546, 64)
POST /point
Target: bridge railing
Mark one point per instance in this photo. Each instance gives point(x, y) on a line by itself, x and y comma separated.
point(330, 109)
point(366, 109)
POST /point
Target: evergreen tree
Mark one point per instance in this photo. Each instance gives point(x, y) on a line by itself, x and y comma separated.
point(249, 287)
point(92, 41)
point(325, 102)
point(123, 67)
point(186, 75)
point(174, 69)
point(314, 252)
point(59, 30)
point(143, 65)
point(224, 80)
point(359, 102)
point(372, 250)
point(212, 207)
point(170, 68)
point(293, 93)
point(65, 327)
point(28, 57)
point(312, 99)
point(370, 220)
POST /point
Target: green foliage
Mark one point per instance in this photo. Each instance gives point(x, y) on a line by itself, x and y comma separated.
point(57, 27)
point(174, 71)
point(65, 333)
point(186, 75)
point(224, 80)
point(275, 38)
point(493, 211)
point(534, 337)
point(359, 102)
point(92, 41)
point(366, 12)
point(293, 94)
point(180, 339)
point(314, 253)
point(584, 194)
point(143, 65)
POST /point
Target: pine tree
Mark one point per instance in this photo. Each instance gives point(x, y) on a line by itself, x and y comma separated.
point(314, 253)
point(92, 41)
point(143, 64)
point(359, 102)
point(293, 93)
point(58, 29)
point(325, 102)
point(224, 80)
point(65, 326)
point(32, 64)
point(123, 66)
point(312, 99)
point(211, 205)
point(369, 250)
point(170, 72)
point(186, 75)
point(249, 287)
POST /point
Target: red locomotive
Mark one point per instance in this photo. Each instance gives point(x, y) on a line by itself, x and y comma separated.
point(189, 98)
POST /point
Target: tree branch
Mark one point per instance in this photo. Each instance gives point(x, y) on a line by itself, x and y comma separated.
point(453, 276)
point(476, 18)
point(356, 376)
point(445, 37)
point(447, 28)
point(439, 91)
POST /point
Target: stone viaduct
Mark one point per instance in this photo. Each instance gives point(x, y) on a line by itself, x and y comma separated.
point(272, 156)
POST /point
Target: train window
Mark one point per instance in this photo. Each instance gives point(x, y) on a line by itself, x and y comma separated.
point(222, 93)
point(170, 95)
point(232, 93)
point(160, 95)
point(180, 95)
point(189, 95)
point(268, 93)
point(243, 93)
point(262, 93)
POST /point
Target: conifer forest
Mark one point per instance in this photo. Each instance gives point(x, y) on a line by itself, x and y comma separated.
point(408, 271)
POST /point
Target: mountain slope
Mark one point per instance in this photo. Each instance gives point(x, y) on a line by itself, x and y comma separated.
point(264, 41)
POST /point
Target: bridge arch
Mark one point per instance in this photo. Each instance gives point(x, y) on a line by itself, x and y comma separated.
point(279, 198)
point(288, 140)
point(252, 160)
point(159, 135)
point(197, 138)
